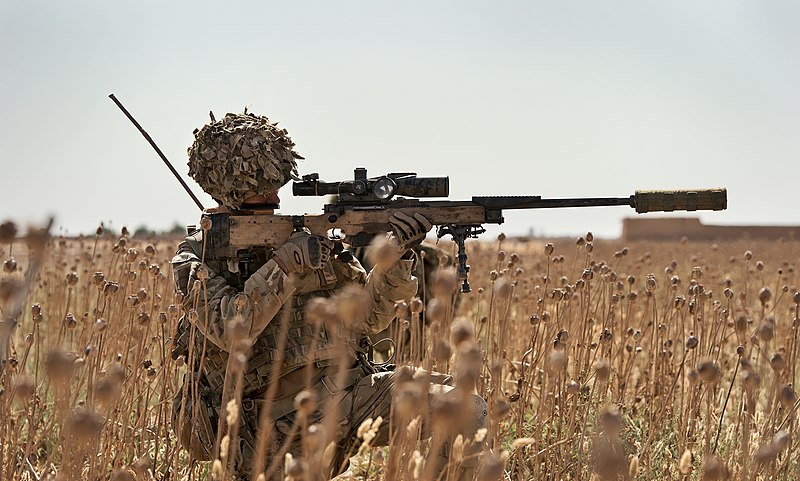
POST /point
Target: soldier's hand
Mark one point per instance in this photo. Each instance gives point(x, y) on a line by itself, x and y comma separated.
point(408, 230)
point(303, 251)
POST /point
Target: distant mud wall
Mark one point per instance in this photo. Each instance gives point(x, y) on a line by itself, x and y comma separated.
point(693, 229)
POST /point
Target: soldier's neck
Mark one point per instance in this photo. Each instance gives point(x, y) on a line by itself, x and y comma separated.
point(254, 210)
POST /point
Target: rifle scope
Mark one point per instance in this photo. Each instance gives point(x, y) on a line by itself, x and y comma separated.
point(376, 188)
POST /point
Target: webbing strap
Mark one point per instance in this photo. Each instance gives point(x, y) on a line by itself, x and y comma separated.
point(324, 386)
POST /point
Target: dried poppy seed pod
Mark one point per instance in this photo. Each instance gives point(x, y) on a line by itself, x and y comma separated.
point(132, 301)
point(441, 350)
point(589, 247)
point(557, 361)
point(500, 409)
point(10, 265)
point(751, 381)
point(462, 332)
point(436, 310)
point(692, 342)
point(59, 366)
point(610, 421)
point(444, 282)
point(400, 309)
point(573, 388)
point(501, 237)
point(589, 237)
point(416, 305)
point(781, 440)
point(205, 224)
point(778, 362)
point(580, 242)
point(70, 322)
point(709, 371)
point(548, 249)
point(24, 387)
point(766, 332)
point(122, 474)
point(143, 319)
point(154, 270)
point(650, 283)
point(748, 255)
point(110, 288)
point(714, 469)
point(296, 470)
point(787, 396)
point(764, 295)
point(602, 370)
point(315, 436)
point(741, 324)
point(84, 424)
point(305, 403)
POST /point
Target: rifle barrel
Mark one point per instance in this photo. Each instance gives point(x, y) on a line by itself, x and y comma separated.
point(643, 201)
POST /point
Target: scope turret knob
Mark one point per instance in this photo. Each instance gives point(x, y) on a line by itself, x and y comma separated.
point(359, 187)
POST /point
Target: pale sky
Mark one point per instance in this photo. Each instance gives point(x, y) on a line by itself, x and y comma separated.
point(559, 99)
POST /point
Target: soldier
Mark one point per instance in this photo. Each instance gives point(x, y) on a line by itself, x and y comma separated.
point(294, 362)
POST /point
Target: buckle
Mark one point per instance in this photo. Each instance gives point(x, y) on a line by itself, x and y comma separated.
point(248, 405)
point(324, 382)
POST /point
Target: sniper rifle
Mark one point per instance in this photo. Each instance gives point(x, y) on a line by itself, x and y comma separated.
point(362, 208)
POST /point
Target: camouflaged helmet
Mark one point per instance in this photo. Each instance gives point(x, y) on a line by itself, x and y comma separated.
point(241, 155)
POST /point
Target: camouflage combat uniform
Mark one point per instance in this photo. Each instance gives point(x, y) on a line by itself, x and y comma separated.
point(312, 356)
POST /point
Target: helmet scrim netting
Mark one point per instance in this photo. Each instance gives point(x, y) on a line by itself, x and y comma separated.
point(241, 155)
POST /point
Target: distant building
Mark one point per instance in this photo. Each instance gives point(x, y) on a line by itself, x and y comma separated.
point(691, 228)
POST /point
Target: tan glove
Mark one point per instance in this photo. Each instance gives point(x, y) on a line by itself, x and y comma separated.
point(408, 231)
point(303, 251)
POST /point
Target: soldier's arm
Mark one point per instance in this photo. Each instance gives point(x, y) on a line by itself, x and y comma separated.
point(386, 286)
point(217, 303)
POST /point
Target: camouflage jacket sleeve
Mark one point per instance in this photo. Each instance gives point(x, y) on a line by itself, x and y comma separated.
point(385, 288)
point(217, 303)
